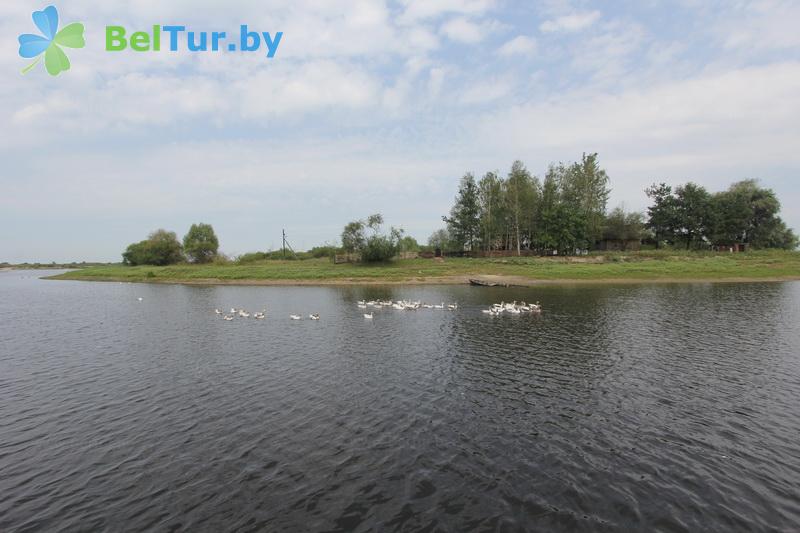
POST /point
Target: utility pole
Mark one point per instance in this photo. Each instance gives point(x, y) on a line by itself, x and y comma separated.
point(287, 245)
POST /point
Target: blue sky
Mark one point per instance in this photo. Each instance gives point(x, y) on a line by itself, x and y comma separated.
point(381, 106)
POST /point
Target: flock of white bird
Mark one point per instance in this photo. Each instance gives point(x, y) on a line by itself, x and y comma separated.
point(401, 305)
point(258, 315)
point(512, 308)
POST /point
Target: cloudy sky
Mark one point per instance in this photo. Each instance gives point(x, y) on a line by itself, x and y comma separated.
point(380, 106)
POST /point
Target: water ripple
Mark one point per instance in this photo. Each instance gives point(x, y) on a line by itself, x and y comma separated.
point(619, 408)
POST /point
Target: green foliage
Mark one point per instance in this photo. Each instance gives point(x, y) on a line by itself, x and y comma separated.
point(375, 248)
point(160, 248)
point(408, 244)
point(353, 238)
point(561, 224)
point(201, 243)
point(623, 226)
point(440, 239)
point(744, 213)
point(327, 250)
point(585, 188)
point(493, 211)
point(662, 214)
point(251, 257)
point(565, 213)
point(694, 214)
point(463, 223)
point(379, 248)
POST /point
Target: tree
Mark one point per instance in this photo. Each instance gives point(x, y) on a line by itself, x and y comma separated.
point(201, 244)
point(382, 247)
point(353, 238)
point(623, 226)
point(408, 244)
point(439, 239)
point(376, 247)
point(491, 196)
point(585, 187)
point(753, 214)
point(519, 198)
point(663, 214)
point(694, 214)
point(560, 225)
point(464, 221)
point(160, 248)
point(374, 222)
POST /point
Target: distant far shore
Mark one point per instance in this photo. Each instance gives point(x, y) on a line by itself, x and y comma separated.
point(659, 267)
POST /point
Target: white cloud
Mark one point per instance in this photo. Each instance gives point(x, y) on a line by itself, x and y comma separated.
point(427, 9)
point(570, 23)
point(463, 31)
point(715, 128)
point(488, 91)
point(760, 25)
point(519, 45)
point(375, 105)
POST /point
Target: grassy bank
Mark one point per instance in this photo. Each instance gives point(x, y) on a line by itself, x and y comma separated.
point(650, 266)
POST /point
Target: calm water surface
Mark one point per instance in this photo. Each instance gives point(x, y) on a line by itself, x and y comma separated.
point(619, 408)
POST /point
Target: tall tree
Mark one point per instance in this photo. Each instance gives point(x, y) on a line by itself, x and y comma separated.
point(521, 198)
point(559, 223)
point(662, 214)
point(201, 243)
point(585, 186)
point(353, 238)
point(694, 213)
point(464, 220)
point(492, 209)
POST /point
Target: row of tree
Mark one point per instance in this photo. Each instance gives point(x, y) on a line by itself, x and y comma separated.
point(564, 212)
point(743, 214)
point(567, 211)
point(161, 247)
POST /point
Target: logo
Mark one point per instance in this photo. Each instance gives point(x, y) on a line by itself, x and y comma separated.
point(179, 38)
point(50, 42)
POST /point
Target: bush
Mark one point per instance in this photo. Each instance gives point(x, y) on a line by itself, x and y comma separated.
point(160, 248)
point(322, 251)
point(379, 248)
point(251, 257)
point(222, 259)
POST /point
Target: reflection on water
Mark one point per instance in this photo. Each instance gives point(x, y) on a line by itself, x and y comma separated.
point(630, 407)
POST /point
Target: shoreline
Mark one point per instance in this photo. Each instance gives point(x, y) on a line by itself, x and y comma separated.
point(500, 280)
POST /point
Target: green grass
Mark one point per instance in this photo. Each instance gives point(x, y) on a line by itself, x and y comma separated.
point(644, 266)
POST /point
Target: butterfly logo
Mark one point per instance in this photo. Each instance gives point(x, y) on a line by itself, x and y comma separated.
point(50, 42)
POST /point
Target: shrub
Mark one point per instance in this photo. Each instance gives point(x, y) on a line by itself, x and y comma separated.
point(379, 248)
point(160, 248)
